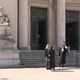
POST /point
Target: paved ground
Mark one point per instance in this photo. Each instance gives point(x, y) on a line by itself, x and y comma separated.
point(66, 73)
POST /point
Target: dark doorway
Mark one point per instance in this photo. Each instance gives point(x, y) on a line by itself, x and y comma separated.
point(72, 33)
point(38, 28)
point(42, 31)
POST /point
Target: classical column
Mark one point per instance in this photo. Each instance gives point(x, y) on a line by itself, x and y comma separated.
point(60, 21)
point(23, 24)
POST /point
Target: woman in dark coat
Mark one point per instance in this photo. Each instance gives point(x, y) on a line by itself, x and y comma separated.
point(52, 58)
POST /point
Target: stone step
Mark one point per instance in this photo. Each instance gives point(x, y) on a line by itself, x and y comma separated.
point(36, 58)
point(32, 58)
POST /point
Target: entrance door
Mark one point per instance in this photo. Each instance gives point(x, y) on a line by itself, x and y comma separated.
point(72, 33)
point(38, 28)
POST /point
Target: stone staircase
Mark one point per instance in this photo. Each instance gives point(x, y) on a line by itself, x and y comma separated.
point(32, 58)
point(73, 59)
point(36, 58)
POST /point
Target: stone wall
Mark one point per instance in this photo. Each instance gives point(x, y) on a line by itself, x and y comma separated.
point(10, 8)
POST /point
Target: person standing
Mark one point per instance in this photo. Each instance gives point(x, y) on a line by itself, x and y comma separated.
point(52, 58)
point(62, 55)
point(47, 56)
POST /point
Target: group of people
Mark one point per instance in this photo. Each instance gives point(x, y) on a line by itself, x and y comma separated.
point(50, 56)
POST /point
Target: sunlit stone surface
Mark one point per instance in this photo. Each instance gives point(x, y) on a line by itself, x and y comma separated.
point(9, 55)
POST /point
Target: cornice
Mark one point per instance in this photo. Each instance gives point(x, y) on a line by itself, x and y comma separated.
point(39, 1)
point(73, 1)
point(73, 4)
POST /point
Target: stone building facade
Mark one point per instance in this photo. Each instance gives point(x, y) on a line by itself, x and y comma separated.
point(34, 23)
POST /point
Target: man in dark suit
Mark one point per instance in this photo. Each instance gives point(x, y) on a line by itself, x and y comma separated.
point(62, 55)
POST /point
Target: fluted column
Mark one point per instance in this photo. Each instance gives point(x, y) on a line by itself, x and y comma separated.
point(23, 24)
point(60, 21)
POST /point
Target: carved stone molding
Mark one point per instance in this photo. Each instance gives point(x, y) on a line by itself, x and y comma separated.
point(73, 3)
point(40, 1)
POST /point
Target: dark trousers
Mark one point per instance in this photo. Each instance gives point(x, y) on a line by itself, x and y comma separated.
point(48, 64)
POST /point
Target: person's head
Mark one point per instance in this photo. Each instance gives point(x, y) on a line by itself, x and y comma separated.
point(64, 42)
point(51, 47)
point(47, 46)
